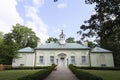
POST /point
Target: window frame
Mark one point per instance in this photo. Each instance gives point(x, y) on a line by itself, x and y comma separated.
point(83, 60)
point(41, 59)
point(72, 59)
point(52, 59)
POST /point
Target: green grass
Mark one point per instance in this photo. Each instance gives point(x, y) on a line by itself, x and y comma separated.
point(106, 75)
point(14, 74)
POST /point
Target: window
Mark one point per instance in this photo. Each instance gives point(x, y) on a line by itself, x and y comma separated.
point(52, 59)
point(102, 60)
point(72, 59)
point(83, 59)
point(41, 59)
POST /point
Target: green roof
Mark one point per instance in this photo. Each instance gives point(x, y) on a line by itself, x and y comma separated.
point(26, 50)
point(99, 50)
point(64, 46)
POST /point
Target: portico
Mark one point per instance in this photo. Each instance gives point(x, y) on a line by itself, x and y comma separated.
point(62, 59)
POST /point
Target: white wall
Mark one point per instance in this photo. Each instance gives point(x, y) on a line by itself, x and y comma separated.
point(27, 59)
point(96, 60)
point(55, 53)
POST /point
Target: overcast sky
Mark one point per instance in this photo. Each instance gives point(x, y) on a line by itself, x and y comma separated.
point(45, 17)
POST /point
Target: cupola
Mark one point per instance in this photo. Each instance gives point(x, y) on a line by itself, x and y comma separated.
point(62, 38)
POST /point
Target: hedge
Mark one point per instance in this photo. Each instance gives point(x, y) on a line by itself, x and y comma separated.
point(99, 68)
point(81, 75)
point(23, 68)
point(39, 75)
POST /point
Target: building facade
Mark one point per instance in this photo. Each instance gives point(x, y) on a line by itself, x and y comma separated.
point(63, 54)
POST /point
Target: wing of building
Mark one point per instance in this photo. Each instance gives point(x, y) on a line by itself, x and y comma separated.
point(63, 54)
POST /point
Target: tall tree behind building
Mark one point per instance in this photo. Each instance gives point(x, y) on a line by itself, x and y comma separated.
point(70, 40)
point(21, 35)
point(51, 39)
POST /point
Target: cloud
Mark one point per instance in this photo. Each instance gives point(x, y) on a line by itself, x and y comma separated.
point(38, 3)
point(34, 21)
point(62, 5)
point(8, 15)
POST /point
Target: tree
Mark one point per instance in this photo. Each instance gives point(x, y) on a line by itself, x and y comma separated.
point(78, 41)
point(1, 37)
point(70, 40)
point(6, 52)
point(1, 43)
point(51, 39)
point(91, 44)
point(105, 25)
point(21, 35)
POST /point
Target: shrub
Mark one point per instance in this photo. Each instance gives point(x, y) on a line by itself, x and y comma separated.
point(23, 68)
point(83, 75)
point(39, 75)
point(99, 68)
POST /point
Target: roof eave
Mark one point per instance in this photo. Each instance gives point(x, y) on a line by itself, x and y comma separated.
point(25, 52)
point(101, 52)
point(62, 49)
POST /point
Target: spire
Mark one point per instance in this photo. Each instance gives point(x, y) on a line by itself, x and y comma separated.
point(62, 31)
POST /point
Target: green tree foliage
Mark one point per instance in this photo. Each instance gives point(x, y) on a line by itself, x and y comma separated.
point(1, 43)
point(21, 35)
point(51, 39)
point(78, 41)
point(1, 37)
point(91, 44)
point(6, 52)
point(105, 24)
point(70, 40)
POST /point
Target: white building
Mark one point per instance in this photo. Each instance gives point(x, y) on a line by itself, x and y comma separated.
point(62, 54)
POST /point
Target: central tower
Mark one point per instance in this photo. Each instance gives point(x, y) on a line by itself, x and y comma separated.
point(62, 38)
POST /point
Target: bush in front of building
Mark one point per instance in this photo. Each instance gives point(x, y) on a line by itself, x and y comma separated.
point(39, 75)
point(81, 75)
point(24, 68)
point(99, 68)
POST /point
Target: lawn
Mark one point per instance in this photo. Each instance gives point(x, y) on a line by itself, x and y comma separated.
point(106, 75)
point(14, 74)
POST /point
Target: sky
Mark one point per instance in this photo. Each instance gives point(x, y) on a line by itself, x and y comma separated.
point(46, 17)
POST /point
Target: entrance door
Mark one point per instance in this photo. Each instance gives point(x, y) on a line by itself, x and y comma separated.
point(62, 59)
